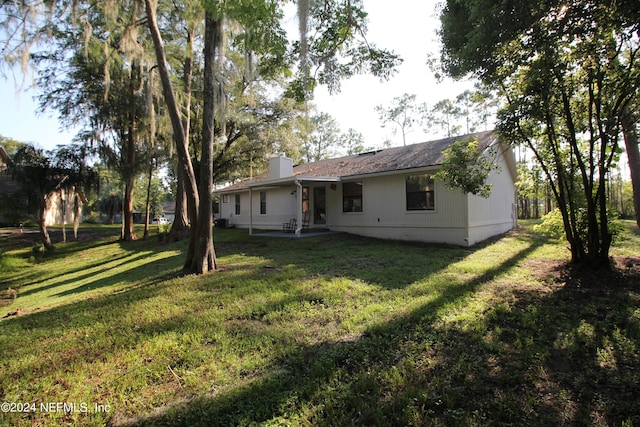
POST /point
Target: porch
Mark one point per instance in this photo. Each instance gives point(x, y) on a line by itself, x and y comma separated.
point(314, 232)
point(308, 211)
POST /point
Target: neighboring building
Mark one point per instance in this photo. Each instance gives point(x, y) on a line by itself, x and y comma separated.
point(169, 211)
point(386, 193)
point(16, 203)
point(7, 184)
point(65, 207)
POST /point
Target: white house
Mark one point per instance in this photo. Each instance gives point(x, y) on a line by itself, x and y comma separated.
point(386, 193)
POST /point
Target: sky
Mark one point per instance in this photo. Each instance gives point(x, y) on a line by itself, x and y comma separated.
point(407, 27)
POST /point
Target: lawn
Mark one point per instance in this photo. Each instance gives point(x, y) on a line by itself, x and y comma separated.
point(334, 330)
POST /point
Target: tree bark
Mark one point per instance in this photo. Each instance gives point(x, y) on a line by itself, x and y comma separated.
point(205, 259)
point(128, 232)
point(180, 225)
point(76, 214)
point(129, 161)
point(42, 223)
point(633, 154)
point(63, 208)
point(193, 200)
point(147, 206)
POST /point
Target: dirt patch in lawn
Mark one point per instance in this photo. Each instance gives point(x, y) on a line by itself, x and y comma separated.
point(623, 274)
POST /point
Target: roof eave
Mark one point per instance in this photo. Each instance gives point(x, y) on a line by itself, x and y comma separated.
point(280, 182)
point(292, 180)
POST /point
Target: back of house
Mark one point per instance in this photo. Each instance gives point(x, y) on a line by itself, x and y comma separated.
point(390, 194)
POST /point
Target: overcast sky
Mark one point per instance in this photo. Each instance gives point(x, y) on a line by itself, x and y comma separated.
point(404, 26)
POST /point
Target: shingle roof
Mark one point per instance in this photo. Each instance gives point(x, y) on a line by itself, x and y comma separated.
point(387, 160)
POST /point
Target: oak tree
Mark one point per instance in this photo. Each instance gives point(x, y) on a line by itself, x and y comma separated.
point(565, 82)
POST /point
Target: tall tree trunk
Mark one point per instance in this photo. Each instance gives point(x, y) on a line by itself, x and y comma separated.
point(63, 208)
point(181, 220)
point(193, 200)
point(180, 224)
point(129, 161)
point(205, 258)
point(633, 154)
point(76, 214)
point(42, 223)
point(128, 232)
point(147, 205)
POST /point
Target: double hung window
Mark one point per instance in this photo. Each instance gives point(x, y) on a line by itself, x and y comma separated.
point(419, 189)
point(352, 196)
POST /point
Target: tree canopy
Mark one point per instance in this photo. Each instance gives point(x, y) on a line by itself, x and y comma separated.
point(465, 167)
point(143, 37)
point(46, 172)
point(403, 112)
point(565, 72)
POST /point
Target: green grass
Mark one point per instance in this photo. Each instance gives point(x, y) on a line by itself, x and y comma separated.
point(332, 330)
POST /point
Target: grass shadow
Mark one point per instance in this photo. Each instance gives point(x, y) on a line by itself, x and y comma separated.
point(125, 267)
point(349, 256)
point(221, 349)
point(336, 383)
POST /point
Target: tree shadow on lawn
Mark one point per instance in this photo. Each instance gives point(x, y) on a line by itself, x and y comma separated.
point(138, 275)
point(102, 274)
point(592, 326)
point(63, 322)
point(95, 270)
point(389, 264)
point(33, 276)
point(379, 378)
point(104, 328)
point(506, 368)
point(575, 347)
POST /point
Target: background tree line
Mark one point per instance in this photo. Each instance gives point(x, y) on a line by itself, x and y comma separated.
point(468, 112)
point(568, 91)
point(210, 85)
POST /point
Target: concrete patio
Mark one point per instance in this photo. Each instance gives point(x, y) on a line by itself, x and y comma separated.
point(304, 234)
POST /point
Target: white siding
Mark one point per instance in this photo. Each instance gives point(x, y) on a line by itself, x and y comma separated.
point(495, 214)
point(280, 208)
point(457, 219)
point(64, 210)
point(385, 215)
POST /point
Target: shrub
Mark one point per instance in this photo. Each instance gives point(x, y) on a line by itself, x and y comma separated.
point(553, 226)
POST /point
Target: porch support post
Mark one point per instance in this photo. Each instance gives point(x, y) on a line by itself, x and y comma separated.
point(298, 208)
point(250, 211)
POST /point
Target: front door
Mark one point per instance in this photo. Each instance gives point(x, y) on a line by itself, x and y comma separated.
point(319, 206)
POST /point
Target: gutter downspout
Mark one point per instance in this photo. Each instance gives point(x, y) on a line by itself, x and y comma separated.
point(467, 219)
point(250, 211)
point(298, 208)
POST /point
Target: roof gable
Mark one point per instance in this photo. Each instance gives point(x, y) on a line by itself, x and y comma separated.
point(380, 161)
